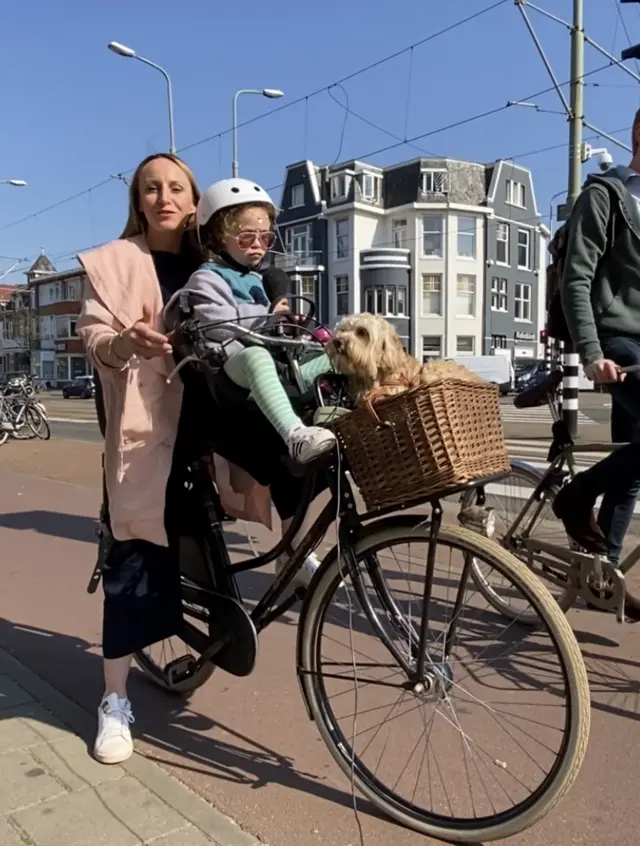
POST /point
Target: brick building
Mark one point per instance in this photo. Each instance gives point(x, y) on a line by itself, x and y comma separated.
point(57, 354)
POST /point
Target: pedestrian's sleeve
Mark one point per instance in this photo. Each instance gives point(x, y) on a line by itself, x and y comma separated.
point(212, 301)
point(586, 244)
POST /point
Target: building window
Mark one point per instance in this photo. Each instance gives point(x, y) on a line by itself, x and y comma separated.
point(522, 302)
point(524, 249)
point(465, 345)
point(431, 346)
point(342, 238)
point(434, 182)
point(342, 295)
point(339, 187)
point(399, 230)
point(515, 193)
point(502, 243)
point(401, 303)
point(72, 328)
point(308, 287)
point(371, 185)
point(467, 237)
point(465, 295)
point(380, 306)
point(499, 342)
point(297, 196)
point(432, 294)
point(62, 368)
point(62, 327)
point(72, 291)
point(498, 294)
point(298, 241)
point(432, 229)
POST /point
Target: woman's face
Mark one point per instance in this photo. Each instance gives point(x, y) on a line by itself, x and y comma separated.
point(251, 236)
point(166, 197)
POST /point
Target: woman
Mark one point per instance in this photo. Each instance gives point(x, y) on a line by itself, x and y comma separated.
point(130, 280)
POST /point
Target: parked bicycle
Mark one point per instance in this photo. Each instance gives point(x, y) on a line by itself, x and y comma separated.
point(533, 533)
point(22, 416)
point(433, 650)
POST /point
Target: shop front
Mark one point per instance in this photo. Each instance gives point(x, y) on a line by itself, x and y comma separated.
point(70, 362)
point(525, 345)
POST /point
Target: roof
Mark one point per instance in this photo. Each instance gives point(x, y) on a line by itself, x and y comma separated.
point(41, 265)
point(6, 292)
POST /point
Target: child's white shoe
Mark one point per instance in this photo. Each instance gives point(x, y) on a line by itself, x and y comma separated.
point(113, 743)
point(308, 442)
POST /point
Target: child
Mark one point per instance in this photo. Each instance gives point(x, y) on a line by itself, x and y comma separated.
point(235, 224)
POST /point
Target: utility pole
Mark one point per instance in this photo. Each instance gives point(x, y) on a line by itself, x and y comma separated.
point(571, 361)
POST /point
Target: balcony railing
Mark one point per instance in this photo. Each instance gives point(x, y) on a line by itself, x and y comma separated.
point(299, 260)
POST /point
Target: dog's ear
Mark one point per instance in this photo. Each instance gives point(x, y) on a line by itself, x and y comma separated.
point(392, 356)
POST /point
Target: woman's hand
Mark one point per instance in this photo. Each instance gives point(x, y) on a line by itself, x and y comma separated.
point(141, 339)
point(280, 305)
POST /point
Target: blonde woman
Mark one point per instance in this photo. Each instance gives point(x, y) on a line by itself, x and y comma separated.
point(130, 280)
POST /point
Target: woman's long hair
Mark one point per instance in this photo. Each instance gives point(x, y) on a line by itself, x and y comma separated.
point(136, 223)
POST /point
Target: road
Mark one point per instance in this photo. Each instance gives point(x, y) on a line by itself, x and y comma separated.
point(246, 745)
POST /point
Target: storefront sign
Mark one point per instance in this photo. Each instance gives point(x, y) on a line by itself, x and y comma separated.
point(524, 336)
point(60, 346)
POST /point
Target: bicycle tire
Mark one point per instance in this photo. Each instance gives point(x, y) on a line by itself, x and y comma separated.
point(43, 429)
point(155, 673)
point(4, 437)
point(532, 476)
point(574, 746)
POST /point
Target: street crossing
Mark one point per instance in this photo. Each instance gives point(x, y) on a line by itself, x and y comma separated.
point(511, 414)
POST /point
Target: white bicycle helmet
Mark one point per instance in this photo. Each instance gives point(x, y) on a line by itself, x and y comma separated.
point(228, 193)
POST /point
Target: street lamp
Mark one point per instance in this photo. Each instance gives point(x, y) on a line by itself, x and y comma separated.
point(129, 53)
point(271, 93)
point(18, 183)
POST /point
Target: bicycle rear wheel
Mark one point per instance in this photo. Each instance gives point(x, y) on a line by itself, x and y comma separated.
point(507, 498)
point(551, 649)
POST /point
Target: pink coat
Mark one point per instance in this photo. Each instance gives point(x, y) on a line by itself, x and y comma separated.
point(142, 409)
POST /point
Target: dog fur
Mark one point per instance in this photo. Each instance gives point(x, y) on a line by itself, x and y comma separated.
point(367, 349)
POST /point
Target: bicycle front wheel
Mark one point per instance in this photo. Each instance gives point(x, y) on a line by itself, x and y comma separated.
point(493, 730)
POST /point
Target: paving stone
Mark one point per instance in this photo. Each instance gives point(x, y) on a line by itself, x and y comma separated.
point(139, 809)
point(11, 694)
point(189, 836)
point(75, 819)
point(10, 837)
point(28, 725)
point(24, 782)
point(71, 763)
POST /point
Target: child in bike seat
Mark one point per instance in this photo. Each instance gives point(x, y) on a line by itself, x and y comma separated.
point(235, 219)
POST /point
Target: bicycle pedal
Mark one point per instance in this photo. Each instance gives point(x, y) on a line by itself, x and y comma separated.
point(180, 669)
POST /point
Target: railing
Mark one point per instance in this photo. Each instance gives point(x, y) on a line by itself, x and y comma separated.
point(292, 260)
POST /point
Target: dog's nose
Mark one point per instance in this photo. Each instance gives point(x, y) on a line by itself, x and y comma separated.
point(337, 344)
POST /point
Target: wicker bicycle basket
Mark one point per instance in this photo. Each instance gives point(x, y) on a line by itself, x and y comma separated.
point(416, 445)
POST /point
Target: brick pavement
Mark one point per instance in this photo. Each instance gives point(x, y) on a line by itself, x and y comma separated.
point(54, 794)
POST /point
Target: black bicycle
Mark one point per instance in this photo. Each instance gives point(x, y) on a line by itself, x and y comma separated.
point(396, 588)
point(529, 529)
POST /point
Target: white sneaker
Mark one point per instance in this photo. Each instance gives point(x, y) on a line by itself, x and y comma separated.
point(113, 742)
point(308, 442)
point(304, 575)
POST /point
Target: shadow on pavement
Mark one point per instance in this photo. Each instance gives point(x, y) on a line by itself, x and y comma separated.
point(71, 526)
point(165, 721)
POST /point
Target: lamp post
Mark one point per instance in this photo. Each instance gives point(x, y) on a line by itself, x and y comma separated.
point(271, 93)
point(129, 53)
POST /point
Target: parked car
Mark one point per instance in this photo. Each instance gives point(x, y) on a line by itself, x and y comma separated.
point(83, 387)
point(531, 372)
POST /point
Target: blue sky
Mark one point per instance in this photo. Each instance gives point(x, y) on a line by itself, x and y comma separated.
point(74, 113)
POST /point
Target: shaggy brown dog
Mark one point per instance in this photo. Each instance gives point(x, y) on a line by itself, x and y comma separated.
point(367, 349)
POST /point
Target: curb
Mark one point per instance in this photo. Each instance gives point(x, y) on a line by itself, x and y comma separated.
point(214, 825)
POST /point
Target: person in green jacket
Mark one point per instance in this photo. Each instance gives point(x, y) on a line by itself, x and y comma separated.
point(601, 302)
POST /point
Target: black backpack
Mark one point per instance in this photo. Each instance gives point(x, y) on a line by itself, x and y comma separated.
point(556, 324)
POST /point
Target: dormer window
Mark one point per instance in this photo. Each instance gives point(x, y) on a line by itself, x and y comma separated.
point(297, 196)
point(435, 182)
point(371, 186)
point(339, 186)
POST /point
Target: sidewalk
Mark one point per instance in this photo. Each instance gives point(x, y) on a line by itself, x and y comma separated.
point(54, 794)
